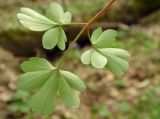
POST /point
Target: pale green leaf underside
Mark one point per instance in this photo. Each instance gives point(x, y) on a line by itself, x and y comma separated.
point(67, 18)
point(57, 9)
point(34, 21)
point(53, 37)
point(98, 60)
point(94, 58)
point(35, 26)
point(56, 13)
point(50, 38)
point(35, 15)
point(61, 39)
point(52, 15)
point(96, 34)
point(86, 57)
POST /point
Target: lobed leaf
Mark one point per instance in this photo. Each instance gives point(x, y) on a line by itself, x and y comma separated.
point(35, 26)
point(67, 18)
point(86, 57)
point(43, 81)
point(55, 12)
point(44, 101)
point(57, 9)
point(32, 80)
point(106, 38)
point(54, 34)
point(34, 21)
point(50, 38)
point(61, 39)
point(74, 81)
point(96, 34)
point(101, 56)
point(98, 60)
point(67, 93)
point(53, 37)
point(118, 52)
point(35, 15)
point(116, 64)
point(36, 64)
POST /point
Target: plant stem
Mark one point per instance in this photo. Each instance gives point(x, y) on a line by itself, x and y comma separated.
point(88, 33)
point(74, 23)
point(83, 30)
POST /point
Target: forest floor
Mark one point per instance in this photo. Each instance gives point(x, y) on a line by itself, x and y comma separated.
point(107, 95)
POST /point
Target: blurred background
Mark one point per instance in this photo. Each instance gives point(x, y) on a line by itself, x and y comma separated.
point(134, 95)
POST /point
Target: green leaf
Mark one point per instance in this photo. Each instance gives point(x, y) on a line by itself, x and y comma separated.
point(124, 107)
point(44, 101)
point(101, 56)
point(115, 64)
point(35, 26)
point(61, 39)
point(37, 22)
point(67, 93)
point(67, 18)
point(52, 15)
point(96, 35)
point(118, 52)
point(74, 81)
point(98, 60)
point(50, 38)
point(53, 37)
point(55, 12)
point(106, 38)
point(36, 64)
point(43, 81)
point(35, 15)
point(32, 80)
point(86, 57)
point(34, 21)
point(19, 94)
point(57, 8)
point(94, 58)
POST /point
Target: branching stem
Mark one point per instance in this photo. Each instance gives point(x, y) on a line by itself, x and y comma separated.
point(86, 26)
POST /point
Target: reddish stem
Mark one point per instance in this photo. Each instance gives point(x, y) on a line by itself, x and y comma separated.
point(101, 12)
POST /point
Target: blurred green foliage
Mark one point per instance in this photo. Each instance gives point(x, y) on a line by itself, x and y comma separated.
point(136, 40)
point(100, 110)
point(147, 107)
point(19, 104)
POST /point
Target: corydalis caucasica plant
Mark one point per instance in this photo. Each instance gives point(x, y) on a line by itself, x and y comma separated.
point(44, 81)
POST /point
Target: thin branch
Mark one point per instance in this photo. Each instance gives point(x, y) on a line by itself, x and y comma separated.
point(74, 23)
